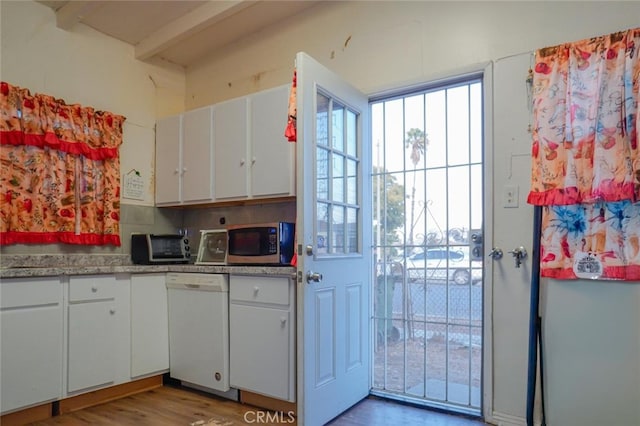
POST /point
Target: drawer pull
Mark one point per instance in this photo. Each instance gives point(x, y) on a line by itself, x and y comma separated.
point(112, 311)
point(94, 289)
point(256, 289)
point(283, 321)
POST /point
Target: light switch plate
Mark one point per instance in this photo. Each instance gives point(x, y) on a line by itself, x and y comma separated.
point(510, 196)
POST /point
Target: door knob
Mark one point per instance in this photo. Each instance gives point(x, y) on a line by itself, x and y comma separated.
point(518, 254)
point(314, 276)
point(496, 253)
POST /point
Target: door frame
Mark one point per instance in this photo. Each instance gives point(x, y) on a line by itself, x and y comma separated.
point(486, 69)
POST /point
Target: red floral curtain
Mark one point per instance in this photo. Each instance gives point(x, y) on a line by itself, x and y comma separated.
point(60, 171)
point(585, 157)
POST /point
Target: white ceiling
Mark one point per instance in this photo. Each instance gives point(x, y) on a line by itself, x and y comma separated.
point(178, 31)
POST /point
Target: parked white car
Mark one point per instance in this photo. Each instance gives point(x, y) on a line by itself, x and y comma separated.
point(444, 263)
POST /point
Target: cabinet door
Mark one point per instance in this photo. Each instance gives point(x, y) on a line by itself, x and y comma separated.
point(31, 342)
point(168, 167)
point(272, 156)
point(149, 325)
point(259, 350)
point(230, 142)
point(197, 155)
point(92, 339)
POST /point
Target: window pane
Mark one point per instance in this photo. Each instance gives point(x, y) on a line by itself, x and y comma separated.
point(338, 178)
point(322, 173)
point(435, 124)
point(352, 182)
point(337, 230)
point(393, 136)
point(352, 133)
point(322, 227)
point(458, 125)
point(338, 126)
point(322, 120)
point(475, 122)
point(352, 230)
point(415, 139)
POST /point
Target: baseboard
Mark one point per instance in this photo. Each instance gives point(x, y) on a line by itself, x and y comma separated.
point(28, 415)
point(272, 404)
point(100, 396)
point(502, 419)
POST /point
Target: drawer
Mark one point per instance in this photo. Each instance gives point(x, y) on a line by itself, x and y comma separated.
point(19, 292)
point(259, 289)
point(91, 287)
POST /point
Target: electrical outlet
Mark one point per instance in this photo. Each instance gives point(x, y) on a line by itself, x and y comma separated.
point(510, 196)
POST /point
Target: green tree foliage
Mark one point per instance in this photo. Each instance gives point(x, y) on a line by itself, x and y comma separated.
point(391, 206)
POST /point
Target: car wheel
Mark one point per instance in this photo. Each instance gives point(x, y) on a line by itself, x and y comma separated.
point(461, 277)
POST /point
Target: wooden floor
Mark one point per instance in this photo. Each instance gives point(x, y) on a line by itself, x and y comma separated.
point(173, 406)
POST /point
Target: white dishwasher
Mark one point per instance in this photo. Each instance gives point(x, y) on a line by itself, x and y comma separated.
point(199, 330)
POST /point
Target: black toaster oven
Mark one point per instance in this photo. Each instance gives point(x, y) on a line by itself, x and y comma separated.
point(154, 249)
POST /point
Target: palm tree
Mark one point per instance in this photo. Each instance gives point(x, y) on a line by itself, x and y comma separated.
point(417, 141)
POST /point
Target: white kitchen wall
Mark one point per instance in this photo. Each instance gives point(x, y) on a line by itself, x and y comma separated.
point(592, 329)
point(86, 67)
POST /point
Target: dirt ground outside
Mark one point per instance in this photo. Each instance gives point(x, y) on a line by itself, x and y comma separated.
point(426, 358)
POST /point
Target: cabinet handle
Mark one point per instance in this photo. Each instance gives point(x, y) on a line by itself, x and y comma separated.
point(256, 289)
point(94, 289)
point(242, 161)
point(283, 321)
point(184, 170)
point(253, 160)
point(112, 311)
point(176, 171)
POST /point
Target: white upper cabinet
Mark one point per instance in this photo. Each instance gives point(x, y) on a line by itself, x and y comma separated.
point(233, 150)
point(184, 158)
point(272, 156)
point(197, 156)
point(168, 164)
point(230, 139)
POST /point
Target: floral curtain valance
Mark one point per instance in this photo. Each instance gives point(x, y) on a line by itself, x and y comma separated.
point(585, 133)
point(60, 171)
point(585, 157)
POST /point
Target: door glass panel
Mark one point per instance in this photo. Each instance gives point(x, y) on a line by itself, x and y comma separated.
point(352, 134)
point(337, 175)
point(458, 125)
point(338, 126)
point(322, 173)
point(352, 182)
point(338, 229)
point(435, 126)
point(338, 178)
point(322, 120)
point(322, 226)
point(352, 230)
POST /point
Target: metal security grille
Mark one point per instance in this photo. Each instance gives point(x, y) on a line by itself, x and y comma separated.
point(428, 218)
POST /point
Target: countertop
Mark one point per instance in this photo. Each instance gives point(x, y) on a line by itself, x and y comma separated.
point(19, 266)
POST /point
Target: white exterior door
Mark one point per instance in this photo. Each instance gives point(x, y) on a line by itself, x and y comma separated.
point(333, 235)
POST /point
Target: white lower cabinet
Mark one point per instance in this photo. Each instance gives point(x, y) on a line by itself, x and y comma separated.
point(262, 335)
point(31, 342)
point(149, 325)
point(98, 343)
point(62, 336)
point(91, 335)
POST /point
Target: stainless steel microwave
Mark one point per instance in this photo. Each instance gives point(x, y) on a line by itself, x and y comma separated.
point(261, 244)
point(152, 249)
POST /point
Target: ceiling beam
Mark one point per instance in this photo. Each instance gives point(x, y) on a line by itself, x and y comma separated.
point(193, 22)
point(73, 12)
